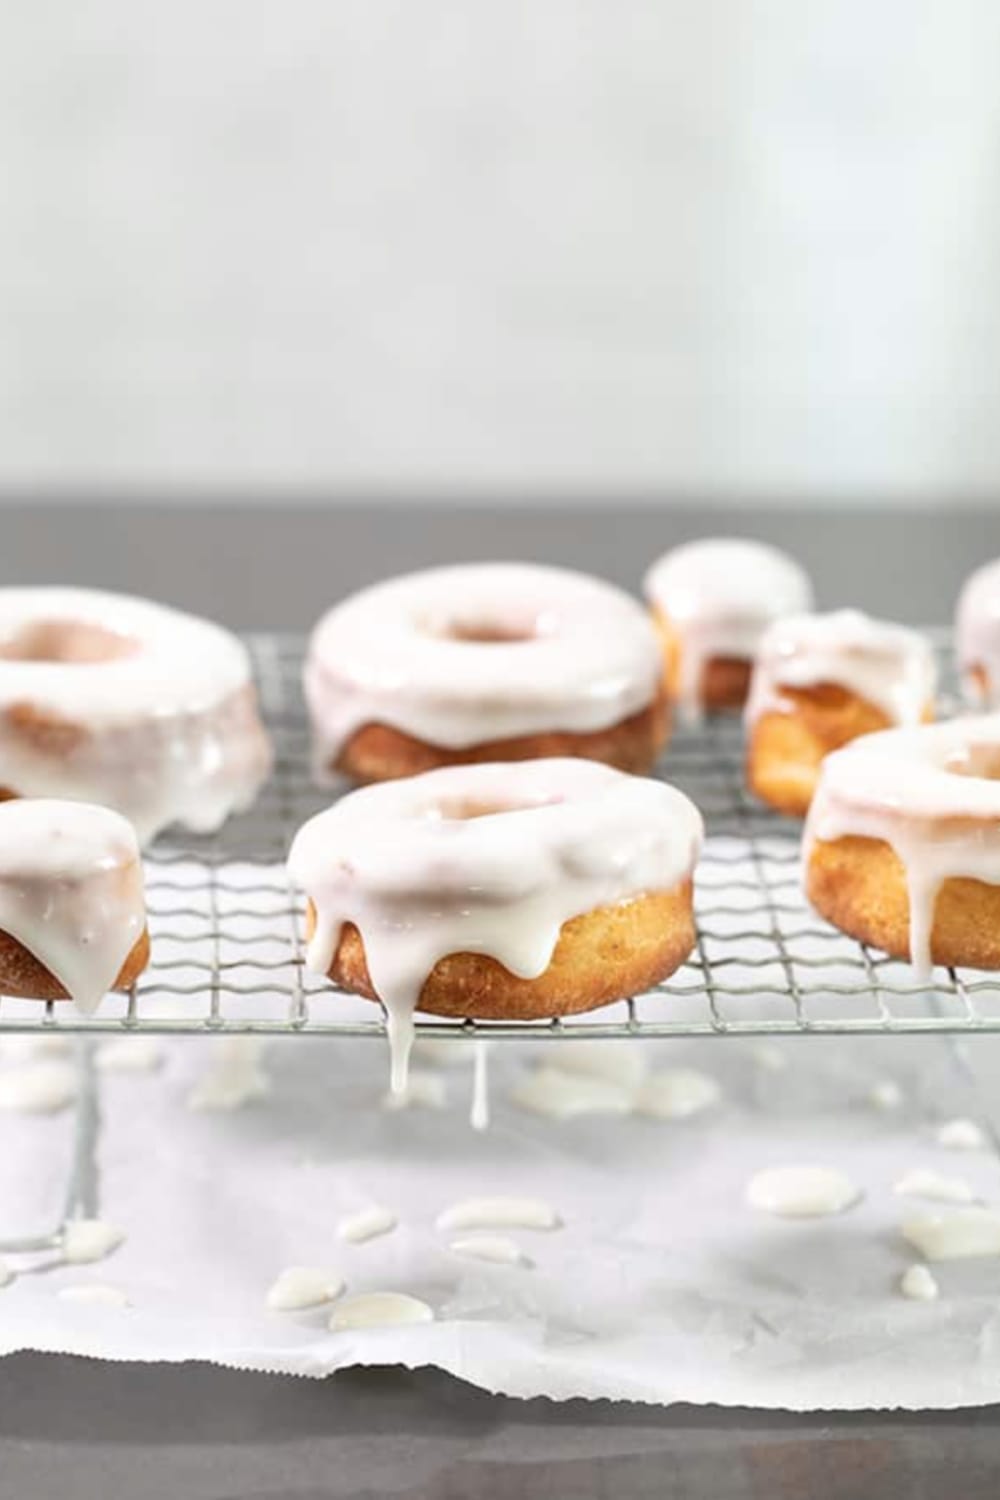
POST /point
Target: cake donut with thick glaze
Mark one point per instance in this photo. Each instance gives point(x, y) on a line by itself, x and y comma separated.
point(977, 636)
point(711, 601)
point(821, 681)
point(902, 843)
point(497, 892)
point(72, 913)
point(116, 700)
point(485, 662)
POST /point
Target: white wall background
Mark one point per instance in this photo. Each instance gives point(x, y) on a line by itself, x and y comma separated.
point(714, 247)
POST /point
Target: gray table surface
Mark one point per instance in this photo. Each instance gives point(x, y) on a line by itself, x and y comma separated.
point(79, 1428)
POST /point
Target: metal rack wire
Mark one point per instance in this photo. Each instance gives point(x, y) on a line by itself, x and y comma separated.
point(227, 955)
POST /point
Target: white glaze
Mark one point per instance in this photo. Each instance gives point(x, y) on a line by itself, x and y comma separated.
point(961, 1135)
point(234, 1078)
point(922, 1182)
point(958, 1234)
point(498, 1213)
point(86, 1240)
point(366, 1224)
point(420, 880)
point(41, 1088)
point(720, 595)
point(479, 1112)
point(380, 1310)
point(913, 789)
point(71, 891)
point(885, 1095)
point(801, 1192)
point(888, 666)
point(168, 733)
point(389, 655)
point(977, 634)
point(619, 1062)
point(131, 1054)
point(918, 1284)
point(297, 1287)
point(495, 1249)
point(677, 1094)
point(558, 1095)
point(95, 1294)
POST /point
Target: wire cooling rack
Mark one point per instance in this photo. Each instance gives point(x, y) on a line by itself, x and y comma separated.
point(226, 926)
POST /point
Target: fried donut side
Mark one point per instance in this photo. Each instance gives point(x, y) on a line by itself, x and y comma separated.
point(602, 955)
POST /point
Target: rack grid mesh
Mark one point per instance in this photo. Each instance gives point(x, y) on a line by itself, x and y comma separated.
point(228, 957)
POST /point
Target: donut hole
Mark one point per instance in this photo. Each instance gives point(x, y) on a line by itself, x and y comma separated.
point(67, 642)
point(487, 629)
point(465, 809)
point(982, 761)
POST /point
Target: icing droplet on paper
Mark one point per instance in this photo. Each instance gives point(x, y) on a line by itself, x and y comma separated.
point(498, 1213)
point(801, 1192)
point(86, 1240)
point(961, 1135)
point(303, 1286)
point(677, 1093)
point(367, 1224)
point(917, 1283)
point(959, 1234)
point(42, 1088)
point(234, 1078)
point(562, 1096)
point(130, 1054)
point(497, 1249)
point(923, 1183)
point(379, 1310)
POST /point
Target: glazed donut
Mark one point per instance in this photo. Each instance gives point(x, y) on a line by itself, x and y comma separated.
point(820, 681)
point(105, 698)
point(510, 891)
point(902, 843)
point(72, 915)
point(977, 636)
point(489, 662)
point(711, 602)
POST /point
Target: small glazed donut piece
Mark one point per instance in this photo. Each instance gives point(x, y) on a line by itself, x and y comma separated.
point(72, 914)
point(902, 843)
point(821, 681)
point(977, 636)
point(484, 663)
point(115, 700)
point(712, 601)
point(511, 891)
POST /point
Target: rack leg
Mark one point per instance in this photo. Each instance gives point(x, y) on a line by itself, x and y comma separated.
point(82, 1189)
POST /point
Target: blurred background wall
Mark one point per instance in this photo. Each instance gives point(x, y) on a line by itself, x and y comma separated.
point(709, 249)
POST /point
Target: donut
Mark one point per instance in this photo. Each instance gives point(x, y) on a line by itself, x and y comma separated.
point(72, 915)
point(110, 699)
point(512, 891)
point(483, 663)
point(711, 602)
point(902, 843)
point(977, 636)
point(820, 681)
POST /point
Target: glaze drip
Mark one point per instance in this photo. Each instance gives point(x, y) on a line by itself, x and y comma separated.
point(71, 891)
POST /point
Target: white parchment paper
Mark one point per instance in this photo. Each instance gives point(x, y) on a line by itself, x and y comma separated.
point(662, 1285)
